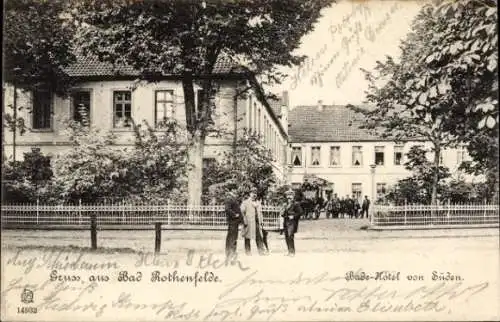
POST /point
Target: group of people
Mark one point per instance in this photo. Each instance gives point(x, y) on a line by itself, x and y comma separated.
point(249, 214)
point(347, 207)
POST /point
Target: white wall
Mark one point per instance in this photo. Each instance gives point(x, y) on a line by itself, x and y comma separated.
point(55, 140)
point(345, 174)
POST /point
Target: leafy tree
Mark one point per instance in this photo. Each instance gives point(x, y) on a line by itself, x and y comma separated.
point(37, 48)
point(158, 162)
point(418, 188)
point(248, 166)
point(91, 168)
point(188, 38)
point(94, 168)
point(444, 79)
point(27, 180)
point(465, 51)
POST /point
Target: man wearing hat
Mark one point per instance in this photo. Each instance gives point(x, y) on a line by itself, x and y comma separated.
point(234, 218)
point(291, 214)
point(251, 210)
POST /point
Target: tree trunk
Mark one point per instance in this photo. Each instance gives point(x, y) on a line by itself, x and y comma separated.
point(196, 143)
point(435, 175)
point(4, 159)
point(195, 172)
point(14, 131)
point(235, 121)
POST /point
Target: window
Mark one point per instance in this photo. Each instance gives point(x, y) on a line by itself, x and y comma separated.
point(266, 133)
point(255, 128)
point(199, 100)
point(81, 106)
point(259, 125)
point(398, 155)
point(122, 108)
point(250, 112)
point(461, 156)
point(335, 155)
point(164, 105)
point(357, 190)
point(42, 110)
point(208, 162)
point(315, 155)
point(381, 190)
point(357, 155)
point(379, 155)
point(297, 156)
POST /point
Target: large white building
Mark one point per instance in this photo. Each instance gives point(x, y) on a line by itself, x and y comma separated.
point(113, 98)
point(326, 142)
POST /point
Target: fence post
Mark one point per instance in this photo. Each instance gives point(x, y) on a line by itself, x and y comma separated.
point(406, 206)
point(79, 211)
point(157, 237)
point(484, 214)
point(93, 231)
point(168, 212)
point(37, 210)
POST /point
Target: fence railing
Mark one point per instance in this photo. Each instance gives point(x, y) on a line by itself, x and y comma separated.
point(484, 215)
point(206, 217)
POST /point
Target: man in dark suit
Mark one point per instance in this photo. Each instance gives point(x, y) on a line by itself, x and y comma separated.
point(234, 218)
point(291, 214)
point(365, 207)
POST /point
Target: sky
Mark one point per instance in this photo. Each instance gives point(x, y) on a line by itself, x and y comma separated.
point(350, 35)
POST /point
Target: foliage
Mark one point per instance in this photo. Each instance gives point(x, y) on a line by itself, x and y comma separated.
point(443, 87)
point(247, 166)
point(93, 168)
point(37, 47)
point(458, 191)
point(37, 44)
point(27, 180)
point(158, 162)
point(89, 169)
point(188, 38)
point(418, 188)
point(466, 51)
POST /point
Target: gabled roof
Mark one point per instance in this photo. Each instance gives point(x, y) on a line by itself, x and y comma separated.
point(275, 106)
point(334, 123)
point(91, 66)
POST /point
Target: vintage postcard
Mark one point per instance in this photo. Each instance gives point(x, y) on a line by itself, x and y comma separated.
point(253, 160)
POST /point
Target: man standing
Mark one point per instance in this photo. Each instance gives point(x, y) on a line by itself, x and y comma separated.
point(251, 209)
point(335, 206)
point(291, 213)
point(355, 206)
point(233, 215)
point(365, 207)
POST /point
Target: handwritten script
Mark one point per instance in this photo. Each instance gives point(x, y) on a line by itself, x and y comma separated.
point(345, 46)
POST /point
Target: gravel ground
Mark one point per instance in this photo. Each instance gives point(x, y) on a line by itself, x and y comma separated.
point(310, 286)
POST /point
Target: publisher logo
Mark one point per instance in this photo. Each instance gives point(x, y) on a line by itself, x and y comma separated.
point(27, 296)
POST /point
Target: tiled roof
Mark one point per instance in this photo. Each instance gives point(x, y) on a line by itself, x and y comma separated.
point(275, 106)
point(332, 124)
point(90, 66)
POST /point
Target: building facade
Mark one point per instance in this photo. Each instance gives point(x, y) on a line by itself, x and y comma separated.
point(114, 99)
point(326, 141)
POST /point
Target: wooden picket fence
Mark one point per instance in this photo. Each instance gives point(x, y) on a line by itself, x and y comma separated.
point(435, 216)
point(124, 216)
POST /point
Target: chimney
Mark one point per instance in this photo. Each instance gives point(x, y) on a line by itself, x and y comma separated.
point(320, 105)
point(284, 98)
